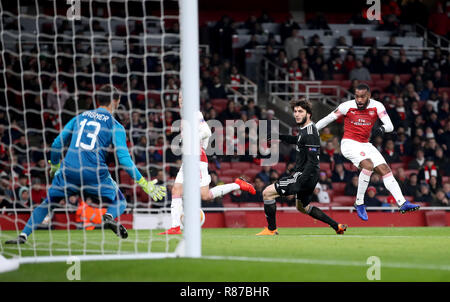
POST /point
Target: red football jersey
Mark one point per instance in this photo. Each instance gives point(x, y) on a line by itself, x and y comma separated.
point(358, 123)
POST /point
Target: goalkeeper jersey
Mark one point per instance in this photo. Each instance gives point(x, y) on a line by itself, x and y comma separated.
point(89, 136)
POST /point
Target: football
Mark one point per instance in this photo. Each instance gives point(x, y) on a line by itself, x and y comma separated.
point(202, 218)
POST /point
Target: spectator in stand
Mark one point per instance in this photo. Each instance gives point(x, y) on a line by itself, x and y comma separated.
point(430, 147)
point(320, 194)
point(400, 175)
point(418, 162)
point(367, 62)
point(325, 181)
point(386, 65)
point(443, 137)
point(349, 62)
point(293, 44)
point(6, 194)
point(377, 182)
point(325, 136)
point(340, 174)
point(282, 59)
point(440, 199)
point(217, 90)
point(259, 187)
point(253, 111)
point(389, 152)
point(392, 42)
point(370, 199)
point(353, 84)
point(411, 186)
point(396, 87)
point(447, 190)
point(424, 194)
point(318, 22)
point(428, 170)
point(439, 22)
point(23, 200)
point(329, 154)
point(307, 73)
point(438, 80)
point(434, 185)
point(315, 41)
point(403, 64)
point(264, 174)
point(360, 72)
point(352, 187)
point(427, 91)
point(442, 162)
point(410, 94)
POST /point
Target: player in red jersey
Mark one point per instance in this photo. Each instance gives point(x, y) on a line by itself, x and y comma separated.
point(360, 116)
point(205, 192)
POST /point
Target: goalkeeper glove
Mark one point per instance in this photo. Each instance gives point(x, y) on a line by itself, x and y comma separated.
point(53, 168)
point(156, 192)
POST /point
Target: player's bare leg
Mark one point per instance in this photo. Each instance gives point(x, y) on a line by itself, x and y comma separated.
point(318, 214)
point(206, 194)
point(366, 167)
point(392, 186)
point(270, 209)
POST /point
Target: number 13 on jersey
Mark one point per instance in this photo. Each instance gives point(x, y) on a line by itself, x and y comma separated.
point(92, 136)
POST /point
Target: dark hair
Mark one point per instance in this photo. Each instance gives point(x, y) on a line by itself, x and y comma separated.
point(303, 102)
point(106, 93)
point(363, 86)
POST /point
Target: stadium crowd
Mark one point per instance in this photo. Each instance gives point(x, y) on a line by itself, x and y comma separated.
point(416, 97)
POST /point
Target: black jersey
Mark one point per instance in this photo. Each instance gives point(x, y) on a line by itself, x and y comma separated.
point(308, 149)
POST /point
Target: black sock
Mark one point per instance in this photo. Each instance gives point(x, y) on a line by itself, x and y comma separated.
point(271, 211)
point(319, 215)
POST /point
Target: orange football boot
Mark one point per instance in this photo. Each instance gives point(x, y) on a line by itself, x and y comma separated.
point(268, 232)
point(245, 186)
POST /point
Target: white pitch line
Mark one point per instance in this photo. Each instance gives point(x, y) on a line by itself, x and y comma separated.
point(332, 262)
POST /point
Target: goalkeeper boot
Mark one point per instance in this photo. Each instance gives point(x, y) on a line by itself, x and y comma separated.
point(245, 186)
point(408, 207)
point(341, 229)
point(361, 211)
point(267, 232)
point(21, 239)
point(117, 228)
point(172, 231)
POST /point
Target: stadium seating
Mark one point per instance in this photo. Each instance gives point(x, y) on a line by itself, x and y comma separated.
point(344, 200)
point(339, 188)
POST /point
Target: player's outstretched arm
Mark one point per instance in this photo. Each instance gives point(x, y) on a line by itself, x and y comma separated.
point(119, 139)
point(327, 119)
point(60, 141)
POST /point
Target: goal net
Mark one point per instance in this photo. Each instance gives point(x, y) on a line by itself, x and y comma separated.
point(55, 56)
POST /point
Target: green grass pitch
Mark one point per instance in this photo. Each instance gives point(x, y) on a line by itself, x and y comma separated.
point(237, 255)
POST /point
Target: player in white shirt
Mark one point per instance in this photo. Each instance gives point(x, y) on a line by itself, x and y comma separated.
point(360, 116)
point(205, 192)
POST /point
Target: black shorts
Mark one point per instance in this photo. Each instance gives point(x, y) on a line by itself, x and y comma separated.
point(299, 185)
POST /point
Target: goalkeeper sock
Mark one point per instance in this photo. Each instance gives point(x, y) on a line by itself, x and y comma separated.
point(118, 206)
point(219, 191)
point(176, 208)
point(392, 185)
point(319, 215)
point(363, 183)
point(270, 209)
point(36, 218)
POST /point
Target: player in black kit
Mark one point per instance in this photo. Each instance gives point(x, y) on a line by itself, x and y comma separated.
point(306, 172)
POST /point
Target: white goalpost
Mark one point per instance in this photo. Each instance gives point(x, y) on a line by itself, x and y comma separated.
point(54, 57)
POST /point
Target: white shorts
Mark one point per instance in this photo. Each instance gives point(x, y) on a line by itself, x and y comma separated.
point(356, 152)
point(205, 178)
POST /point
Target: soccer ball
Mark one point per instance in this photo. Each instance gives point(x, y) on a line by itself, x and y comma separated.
point(202, 218)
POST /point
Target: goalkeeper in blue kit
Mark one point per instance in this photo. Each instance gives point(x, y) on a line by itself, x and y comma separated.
point(84, 169)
